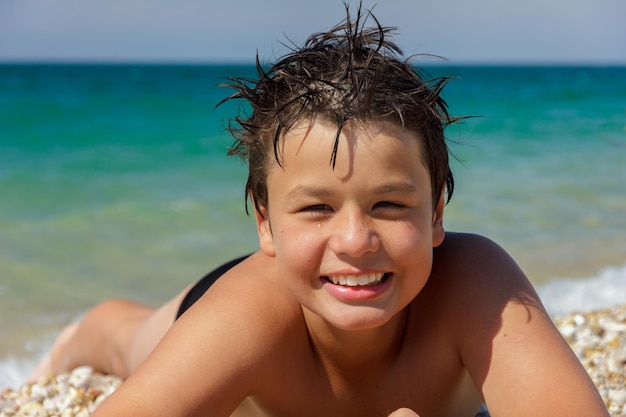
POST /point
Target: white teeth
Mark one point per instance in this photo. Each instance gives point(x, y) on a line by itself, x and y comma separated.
point(357, 280)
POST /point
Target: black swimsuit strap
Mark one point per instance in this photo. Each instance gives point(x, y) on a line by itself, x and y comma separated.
point(204, 284)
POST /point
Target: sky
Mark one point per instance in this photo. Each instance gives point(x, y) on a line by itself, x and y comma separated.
point(463, 31)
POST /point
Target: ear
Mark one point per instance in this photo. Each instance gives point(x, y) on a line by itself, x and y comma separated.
point(266, 240)
point(438, 231)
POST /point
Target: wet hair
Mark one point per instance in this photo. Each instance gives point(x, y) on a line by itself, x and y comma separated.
point(350, 73)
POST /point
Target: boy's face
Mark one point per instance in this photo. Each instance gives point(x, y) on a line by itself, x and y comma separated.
point(353, 244)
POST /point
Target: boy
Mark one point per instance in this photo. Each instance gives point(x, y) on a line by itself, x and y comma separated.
point(358, 303)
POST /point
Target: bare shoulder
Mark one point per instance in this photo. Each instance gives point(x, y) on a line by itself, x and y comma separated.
point(248, 309)
point(480, 273)
point(505, 338)
point(219, 351)
point(472, 252)
point(479, 282)
point(250, 288)
point(473, 284)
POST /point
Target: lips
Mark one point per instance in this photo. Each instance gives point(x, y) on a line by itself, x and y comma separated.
point(360, 280)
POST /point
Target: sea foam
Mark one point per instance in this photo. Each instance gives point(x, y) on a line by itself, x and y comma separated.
point(563, 296)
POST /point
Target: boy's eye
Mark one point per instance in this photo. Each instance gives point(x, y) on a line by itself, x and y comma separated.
point(317, 208)
point(389, 205)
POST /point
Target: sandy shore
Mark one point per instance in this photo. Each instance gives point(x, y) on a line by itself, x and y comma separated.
point(598, 338)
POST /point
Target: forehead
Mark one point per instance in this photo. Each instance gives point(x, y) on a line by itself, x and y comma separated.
point(319, 147)
point(361, 135)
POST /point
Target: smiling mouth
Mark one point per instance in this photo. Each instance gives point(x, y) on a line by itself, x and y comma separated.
point(362, 280)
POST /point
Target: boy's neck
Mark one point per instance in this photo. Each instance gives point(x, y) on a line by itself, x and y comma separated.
point(355, 353)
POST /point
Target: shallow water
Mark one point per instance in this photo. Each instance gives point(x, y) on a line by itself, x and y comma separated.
point(114, 182)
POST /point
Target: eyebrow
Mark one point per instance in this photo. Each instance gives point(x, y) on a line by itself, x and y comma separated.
point(312, 191)
point(394, 187)
point(307, 191)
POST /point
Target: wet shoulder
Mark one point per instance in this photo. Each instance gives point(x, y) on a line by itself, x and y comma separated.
point(471, 259)
point(472, 280)
point(251, 290)
point(245, 307)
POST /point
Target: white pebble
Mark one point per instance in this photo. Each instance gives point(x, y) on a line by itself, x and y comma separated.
point(617, 395)
point(80, 376)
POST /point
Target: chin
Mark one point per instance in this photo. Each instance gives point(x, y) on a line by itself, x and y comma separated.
point(359, 318)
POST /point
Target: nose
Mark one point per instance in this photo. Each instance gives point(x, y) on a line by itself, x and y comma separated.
point(353, 234)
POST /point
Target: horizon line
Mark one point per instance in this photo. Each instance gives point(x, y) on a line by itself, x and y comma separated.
point(242, 62)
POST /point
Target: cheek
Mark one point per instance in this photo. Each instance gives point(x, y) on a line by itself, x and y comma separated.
point(410, 247)
point(298, 249)
point(296, 242)
point(407, 235)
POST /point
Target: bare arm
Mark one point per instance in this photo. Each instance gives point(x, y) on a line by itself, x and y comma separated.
point(508, 343)
point(208, 362)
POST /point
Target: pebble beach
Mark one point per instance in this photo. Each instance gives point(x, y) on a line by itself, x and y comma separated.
point(598, 338)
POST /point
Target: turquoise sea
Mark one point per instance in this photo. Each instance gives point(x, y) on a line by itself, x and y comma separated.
point(114, 182)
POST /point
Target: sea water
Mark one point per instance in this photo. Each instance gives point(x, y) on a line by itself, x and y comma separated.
point(114, 182)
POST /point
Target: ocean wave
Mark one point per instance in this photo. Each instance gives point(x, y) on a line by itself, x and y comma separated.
point(14, 371)
point(566, 295)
